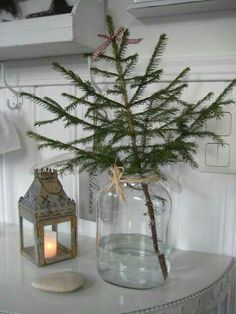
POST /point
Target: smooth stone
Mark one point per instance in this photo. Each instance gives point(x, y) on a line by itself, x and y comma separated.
point(64, 281)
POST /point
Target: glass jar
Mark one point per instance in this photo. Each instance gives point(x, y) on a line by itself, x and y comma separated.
point(131, 242)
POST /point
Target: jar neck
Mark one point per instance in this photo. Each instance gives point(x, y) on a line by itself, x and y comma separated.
point(147, 177)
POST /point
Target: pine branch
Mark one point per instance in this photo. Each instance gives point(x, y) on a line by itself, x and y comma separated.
point(178, 78)
point(157, 53)
point(45, 102)
point(226, 91)
point(130, 66)
point(44, 122)
point(85, 86)
point(123, 44)
point(151, 78)
point(127, 60)
point(153, 62)
point(103, 57)
point(100, 103)
point(47, 142)
point(103, 73)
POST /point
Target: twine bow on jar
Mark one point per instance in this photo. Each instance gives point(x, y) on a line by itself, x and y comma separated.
point(117, 178)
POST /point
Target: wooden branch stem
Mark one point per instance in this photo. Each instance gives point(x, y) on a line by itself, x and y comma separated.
point(161, 256)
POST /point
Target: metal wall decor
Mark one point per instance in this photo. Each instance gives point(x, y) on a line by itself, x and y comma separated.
point(47, 207)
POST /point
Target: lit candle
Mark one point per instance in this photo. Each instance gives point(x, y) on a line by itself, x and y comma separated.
point(50, 244)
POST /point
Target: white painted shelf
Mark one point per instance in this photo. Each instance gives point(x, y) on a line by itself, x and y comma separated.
point(152, 8)
point(198, 283)
point(56, 35)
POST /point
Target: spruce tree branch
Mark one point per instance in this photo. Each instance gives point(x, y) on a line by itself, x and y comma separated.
point(130, 66)
point(107, 58)
point(153, 77)
point(145, 128)
point(134, 56)
point(101, 57)
point(100, 102)
point(165, 91)
point(226, 91)
point(48, 104)
point(42, 101)
point(122, 85)
point(161, 94)
point(139, 78)
point(85, 86)
point(178, 78)
point(47, 142)
point(103, 73)
point(103, 99)
point(123, 44)
point(207, 113)
point(189, 113)
point(44, 122)
point(56, 109)
point(153, 62)
point(81, 154)
point(158, 51)
point(113, 91)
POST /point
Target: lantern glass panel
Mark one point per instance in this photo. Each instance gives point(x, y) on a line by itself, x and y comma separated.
point(27, 238)
point(64, 234)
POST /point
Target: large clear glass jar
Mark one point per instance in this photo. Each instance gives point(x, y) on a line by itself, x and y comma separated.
point(126, 252)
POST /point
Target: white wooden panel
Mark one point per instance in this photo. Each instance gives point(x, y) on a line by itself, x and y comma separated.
point(55, 131)
point(3, 187)
point(15, 174)
point(199, 206)
point(213, 157)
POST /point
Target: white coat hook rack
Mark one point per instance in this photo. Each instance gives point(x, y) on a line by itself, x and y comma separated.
point(16, 104)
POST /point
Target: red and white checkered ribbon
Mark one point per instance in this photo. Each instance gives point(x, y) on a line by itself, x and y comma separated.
point(108, 41)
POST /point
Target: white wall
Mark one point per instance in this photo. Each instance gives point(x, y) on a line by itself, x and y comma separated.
point(204, 216)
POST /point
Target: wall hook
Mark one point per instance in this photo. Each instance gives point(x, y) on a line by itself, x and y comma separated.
point(16, 104)
point(95, 85)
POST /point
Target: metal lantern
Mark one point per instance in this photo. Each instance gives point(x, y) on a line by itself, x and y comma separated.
point(48, 210)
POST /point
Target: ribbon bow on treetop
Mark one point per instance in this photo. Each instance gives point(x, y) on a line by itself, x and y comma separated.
point(108, 41)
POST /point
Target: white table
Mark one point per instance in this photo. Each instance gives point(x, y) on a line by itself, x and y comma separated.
point(199, 283)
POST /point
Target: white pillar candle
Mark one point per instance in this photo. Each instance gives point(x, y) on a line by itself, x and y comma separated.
point(50, 244)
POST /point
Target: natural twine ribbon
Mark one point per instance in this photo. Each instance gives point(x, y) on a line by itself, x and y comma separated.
point(117, 178)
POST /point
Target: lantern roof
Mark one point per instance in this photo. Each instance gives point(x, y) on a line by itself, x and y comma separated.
point(46, 197)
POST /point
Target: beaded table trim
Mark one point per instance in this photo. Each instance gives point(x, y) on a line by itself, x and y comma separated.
point(220, 284)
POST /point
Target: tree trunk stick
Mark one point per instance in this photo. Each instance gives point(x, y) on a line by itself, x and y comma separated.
point(161, 257)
